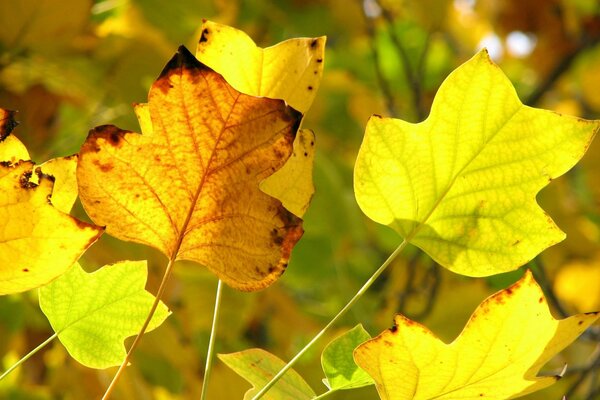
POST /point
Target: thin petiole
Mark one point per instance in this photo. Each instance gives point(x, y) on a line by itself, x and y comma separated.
point(348, 305)
point(211, 342)
point(31, 353)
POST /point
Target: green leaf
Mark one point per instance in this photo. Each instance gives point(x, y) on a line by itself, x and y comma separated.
point(94, 313)
point(338, 361)
point(462, 184)
point(258, 366)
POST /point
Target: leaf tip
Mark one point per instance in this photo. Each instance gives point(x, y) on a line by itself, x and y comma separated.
point(182, 59)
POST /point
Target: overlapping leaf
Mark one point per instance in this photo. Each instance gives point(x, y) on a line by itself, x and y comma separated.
point(189, 184)
point(461, 185)
point(291, 71)
point(258, 366)
point(38, 240)
point(94, 313)
point(508, 339)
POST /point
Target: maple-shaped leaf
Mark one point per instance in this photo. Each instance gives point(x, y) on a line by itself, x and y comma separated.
point(291, 71)
point(507, 340)
point(189, 184)
point(258, 366)
point(462, 184)
point(38, 240)
point(92, 314)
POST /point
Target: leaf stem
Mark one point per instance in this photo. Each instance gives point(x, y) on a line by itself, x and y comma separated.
point(31, 353)
point(138, 338)
point(323, 395)
point(211, 342)
point(343, 311)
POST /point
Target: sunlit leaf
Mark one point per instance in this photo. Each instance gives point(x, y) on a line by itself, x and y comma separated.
point(338, 364)
point(258, 367)
point(11, 148)
point(94, 313)
point(292, 184)
point(461, 185)
point(290, 70)
point(38, 241)
point(508, 339)
point(189, 186)
point(578, 284)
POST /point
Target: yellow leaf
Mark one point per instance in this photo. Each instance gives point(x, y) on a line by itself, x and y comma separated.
point(292, 184)
point(188, 186)
point(37, 241)
point(64, 191)
point(508, 339)
point(290, 70)
point(462, 184)
point(11, 148)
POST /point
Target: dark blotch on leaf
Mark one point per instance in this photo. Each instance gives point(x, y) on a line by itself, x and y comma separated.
point(313, 44)
point(183, 59)
point(310, 88)
point(25, 270)
point(25, 181)
point(7, 124)
point(319, 60)
point(203, 37)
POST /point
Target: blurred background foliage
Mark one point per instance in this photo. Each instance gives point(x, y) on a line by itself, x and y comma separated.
point(70, 65)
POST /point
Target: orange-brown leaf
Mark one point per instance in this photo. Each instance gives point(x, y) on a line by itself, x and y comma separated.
point(188, 185)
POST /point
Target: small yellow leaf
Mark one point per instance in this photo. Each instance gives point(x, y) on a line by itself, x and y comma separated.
point(11, 148)
point(292, 184)
point(508, 339)
point(37, 241)
point(188, 185)
point(290, 70)
point(64, 191)
point(578, 284)
point(461, 185)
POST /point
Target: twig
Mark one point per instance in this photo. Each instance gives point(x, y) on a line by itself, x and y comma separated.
point(390, 102)
point(584, 373)
point(211, 342)
point(539, 272)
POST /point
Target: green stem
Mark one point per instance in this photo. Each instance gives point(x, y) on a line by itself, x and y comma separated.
point(211, 342)
point(348, 305)
point(138, 338)
point(31, 353)
point(323, 395)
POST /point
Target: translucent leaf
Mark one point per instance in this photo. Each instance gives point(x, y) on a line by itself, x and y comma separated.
point(94, 313)
point(258, 367)
point(497, 356)
point(338, 363)
point(189, 185)
point(462, 184)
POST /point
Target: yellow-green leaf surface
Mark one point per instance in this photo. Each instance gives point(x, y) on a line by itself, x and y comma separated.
point(38, 241)
point(189, 184)
point(462, 184)
point(258, 367)
point(94, 313)
point(507, 340)
point(290, 70)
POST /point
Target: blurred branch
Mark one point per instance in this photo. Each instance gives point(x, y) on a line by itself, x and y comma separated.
point(592, 366)
point(390, 103)
point(539, 273)
point(560, 68)
point(427, 287)
point(412, 76)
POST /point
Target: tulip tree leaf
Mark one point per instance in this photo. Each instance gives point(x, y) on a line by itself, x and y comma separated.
point(258, 366)
point(94, 313)
point(497, 356)
point(338, 363)
point(38, 240)
point(188, 185)
point(462, 184)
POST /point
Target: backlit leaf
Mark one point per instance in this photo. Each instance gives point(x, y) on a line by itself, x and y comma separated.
point(38, 241)
point(94, 313)
point(189, 184)
point(258, 366)
point(461, 185)
point(290, 70)
point(508, 339)
point(338, 364)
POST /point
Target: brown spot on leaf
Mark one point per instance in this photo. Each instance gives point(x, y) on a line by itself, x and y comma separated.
point(203, 37)
point(313, 44)
point(25, 270)
point(580, 323)
point(541, 300)
point(319, 60)
point(25, 181)
point(310, 88)
point(7, 123)
point(516, 242)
